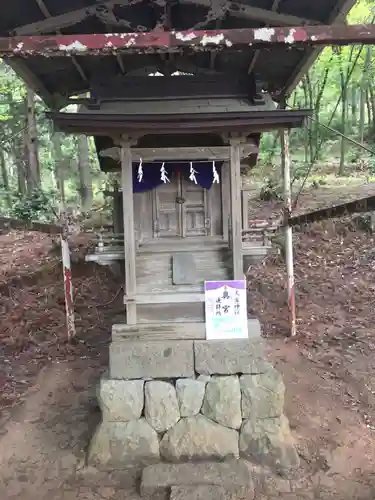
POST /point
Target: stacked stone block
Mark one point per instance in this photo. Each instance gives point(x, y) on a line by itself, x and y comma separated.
point(179, 401)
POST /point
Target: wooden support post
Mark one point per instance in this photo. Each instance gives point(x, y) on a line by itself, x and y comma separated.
point(129, 235)
point(225, 198)
point(235, 208)
point(285, 161)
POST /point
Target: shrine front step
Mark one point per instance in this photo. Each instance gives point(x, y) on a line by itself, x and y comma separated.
point(155, 330)
point(182, 312)
point(203, 481)
point(168, 297)
point(205, 492)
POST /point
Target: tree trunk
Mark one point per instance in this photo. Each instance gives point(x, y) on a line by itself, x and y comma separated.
point(5, 179)
point(306, 127)
point(18, 152)
point(272, 150)
point(59, 165)
point(309, 144)
point(318, 103)
point(343, 143)
point(372, 103)
point(368, 108)
point(33, 174)
point(84, 169)
point(354, 105)
point(343, 84)
point(362, 102)
point(364, 84)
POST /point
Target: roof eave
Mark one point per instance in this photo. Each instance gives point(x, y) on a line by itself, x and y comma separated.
point(107, 124)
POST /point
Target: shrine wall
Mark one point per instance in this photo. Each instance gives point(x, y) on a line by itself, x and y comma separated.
point(154, 269)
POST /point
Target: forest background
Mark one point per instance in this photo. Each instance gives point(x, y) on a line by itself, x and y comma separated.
point(42, 170)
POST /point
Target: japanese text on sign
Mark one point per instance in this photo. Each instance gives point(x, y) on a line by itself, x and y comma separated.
point(226, 309)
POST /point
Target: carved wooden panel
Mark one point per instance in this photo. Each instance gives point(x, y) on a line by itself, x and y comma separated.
point(167, 222)
point(195, 217)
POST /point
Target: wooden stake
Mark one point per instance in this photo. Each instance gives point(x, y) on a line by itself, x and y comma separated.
point(285, 161)
point(68, 288)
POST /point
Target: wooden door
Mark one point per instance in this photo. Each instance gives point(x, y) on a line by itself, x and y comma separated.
point(167, 211)
point(195, 213)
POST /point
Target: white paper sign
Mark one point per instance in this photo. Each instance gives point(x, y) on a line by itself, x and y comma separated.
point(226, 309)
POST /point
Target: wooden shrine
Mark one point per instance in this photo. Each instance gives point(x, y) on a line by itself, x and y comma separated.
point(180, 161)
point(171, 394)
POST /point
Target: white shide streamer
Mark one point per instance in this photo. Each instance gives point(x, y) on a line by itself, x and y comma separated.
point(140, 171)
point(164, 174)
point(215, 174)
point(192, 173)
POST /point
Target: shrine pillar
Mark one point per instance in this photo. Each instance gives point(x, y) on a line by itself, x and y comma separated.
point(129, 234)
point(235, 207)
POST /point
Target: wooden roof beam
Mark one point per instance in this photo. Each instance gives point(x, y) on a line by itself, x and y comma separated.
point(275, 6)
point(54, 23)
point(237, 9)
point(42, 6)
point(174, 41)
point(211, 153)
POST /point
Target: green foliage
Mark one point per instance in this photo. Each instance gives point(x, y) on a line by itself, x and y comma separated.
point(300, 172)
point(347, 72)
point(270, 190)
point(340, 84)
point(13, 128)
point(371, 163)
point(35, 206)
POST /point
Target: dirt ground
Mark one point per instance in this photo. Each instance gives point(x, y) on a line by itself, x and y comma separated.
point(47, 401)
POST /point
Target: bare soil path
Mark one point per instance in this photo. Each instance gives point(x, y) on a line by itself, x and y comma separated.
point(43, 446)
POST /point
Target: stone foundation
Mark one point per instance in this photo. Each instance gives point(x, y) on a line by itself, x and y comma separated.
point(221, 400)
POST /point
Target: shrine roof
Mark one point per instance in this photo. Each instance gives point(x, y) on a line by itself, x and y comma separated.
point(176, 123)
point(57, 78)
point(103, 124)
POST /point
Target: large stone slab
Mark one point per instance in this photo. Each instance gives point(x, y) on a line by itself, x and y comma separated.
point(190, 394)
point(202, 492)
point(161, 406)
point(269, 442)
point(198, 438)
point(222, 401)
point(262, 395)
point(121, 400)
point(226, 357)
point(137, 359)
point(233, 476)
point(119, 444)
